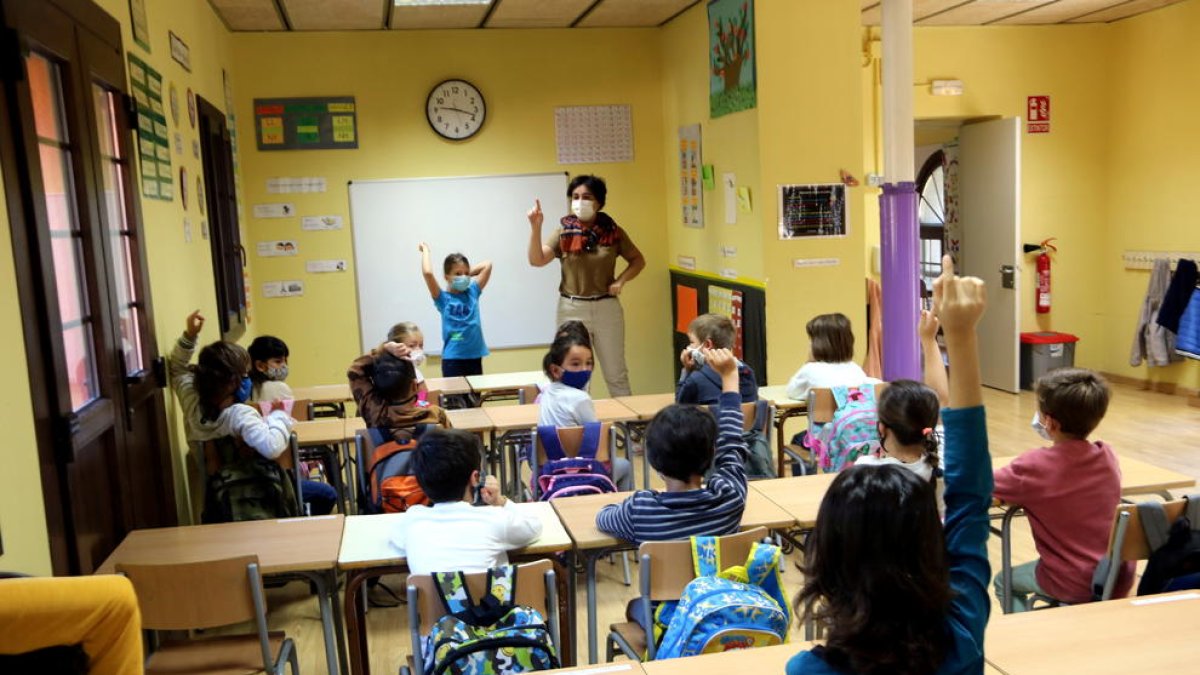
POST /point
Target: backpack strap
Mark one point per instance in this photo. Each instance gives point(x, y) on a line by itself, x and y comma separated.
point(591, 440)
point(706, 556)
point(1154, 523)
point(453, 591)
point(841, 395)
point(502, 583)
point(763, 559)
point(551, 444)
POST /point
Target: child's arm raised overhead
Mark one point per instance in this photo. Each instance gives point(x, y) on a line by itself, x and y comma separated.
point(729, 463)
point(178, 373)
point(540, 254)
point(482, 273)
point(935, 370)
point(968, 473)
point(431, 281)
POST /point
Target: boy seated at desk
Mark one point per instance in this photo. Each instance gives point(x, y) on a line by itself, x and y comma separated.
point(452, 534)
point(679, 444)
point(384, 385)
point(699, 383)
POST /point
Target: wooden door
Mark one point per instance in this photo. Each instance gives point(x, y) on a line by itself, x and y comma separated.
point(228, 255)
point(98, 407)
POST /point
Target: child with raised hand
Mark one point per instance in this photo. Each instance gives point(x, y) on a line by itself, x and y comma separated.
point(914, 600)
point(463, 347)
point(566, 403)
point(384, 385)
point(409, 334)
point(679, 444)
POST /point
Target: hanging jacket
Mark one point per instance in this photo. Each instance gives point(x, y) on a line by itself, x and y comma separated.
point(873, 364)
point(1152, 342)
point(1179, 294)
point(1188, 343)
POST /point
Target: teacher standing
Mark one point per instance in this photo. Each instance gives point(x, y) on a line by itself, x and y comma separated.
point(588, 242)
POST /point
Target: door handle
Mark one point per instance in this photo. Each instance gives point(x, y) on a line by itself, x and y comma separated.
point(1008, 276)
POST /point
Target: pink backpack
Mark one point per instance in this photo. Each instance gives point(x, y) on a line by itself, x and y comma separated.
point(851, 433)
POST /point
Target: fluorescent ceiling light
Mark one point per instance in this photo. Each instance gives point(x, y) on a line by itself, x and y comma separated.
point(427, 3)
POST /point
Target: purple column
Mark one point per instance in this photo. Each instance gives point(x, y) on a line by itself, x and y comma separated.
point(901, 281)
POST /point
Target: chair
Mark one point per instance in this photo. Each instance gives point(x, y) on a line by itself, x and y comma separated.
point(1128, 542)
point(303, 410)
point(1006, 569)
point(535, 585)
point(208, 594)
point(364, 448)
point(666, 568)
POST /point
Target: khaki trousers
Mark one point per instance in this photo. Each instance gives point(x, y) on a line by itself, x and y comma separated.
point(605, 320)
point(100, 613)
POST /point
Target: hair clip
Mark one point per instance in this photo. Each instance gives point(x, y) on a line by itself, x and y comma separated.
point(926, 431)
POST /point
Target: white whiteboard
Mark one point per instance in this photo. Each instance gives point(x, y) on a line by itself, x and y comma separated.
point(481, 217)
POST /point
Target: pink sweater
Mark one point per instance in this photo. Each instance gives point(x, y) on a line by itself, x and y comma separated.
point(1070, 492)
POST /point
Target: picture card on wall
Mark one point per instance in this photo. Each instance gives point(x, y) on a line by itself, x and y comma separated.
point(282, 289)
point(321, 223)
point(318, 266)
point(288, 185)
point(271, 249)
point(274, 210)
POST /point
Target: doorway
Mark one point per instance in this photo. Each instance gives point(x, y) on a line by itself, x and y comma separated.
point(95, 375)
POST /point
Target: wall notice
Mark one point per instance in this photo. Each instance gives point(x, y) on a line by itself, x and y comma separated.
point(329, 123)
point(1038, 114)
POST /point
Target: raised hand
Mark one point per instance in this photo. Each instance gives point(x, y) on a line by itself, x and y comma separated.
point(958, 302)
point(423, 248)
point(721, 360)
point(536, 218)
point(194, 323)
point(927, 328)
point(490, 491)
point(397, 349)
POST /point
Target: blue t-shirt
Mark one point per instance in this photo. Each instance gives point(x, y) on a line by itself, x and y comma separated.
point(462, 331)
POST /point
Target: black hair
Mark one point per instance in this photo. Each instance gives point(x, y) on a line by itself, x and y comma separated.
point(594, 184)
point(876, 575)
point(393, 377)
point(454, 259)
point(443, 463)
point(680, 440)
point(217, 373)
point(575, 328)
point(265, 348)
point(909, 409)
point(560, 348)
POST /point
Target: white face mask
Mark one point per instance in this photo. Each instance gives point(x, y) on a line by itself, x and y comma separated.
point(1039, 427)
point(584, 209)
point(417, 357)
point(697, 357)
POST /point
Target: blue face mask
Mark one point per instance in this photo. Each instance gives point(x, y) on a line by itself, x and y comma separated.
point(243, 391)
point(576, 378)
point(460, 283)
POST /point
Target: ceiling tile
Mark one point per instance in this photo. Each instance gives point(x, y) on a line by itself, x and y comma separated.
point(1058, 11)
point(976, 13)
point(629, 13)
point(335, 14)
point(248, 14)
point(438, 16)
point(1124, 11)
point(536, 13)
point(927, 8)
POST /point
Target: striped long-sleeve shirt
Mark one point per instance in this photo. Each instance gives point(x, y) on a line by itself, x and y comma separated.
point(713, 510)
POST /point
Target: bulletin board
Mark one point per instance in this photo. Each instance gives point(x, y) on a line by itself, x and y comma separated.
point(329, 123)
point(695, 294)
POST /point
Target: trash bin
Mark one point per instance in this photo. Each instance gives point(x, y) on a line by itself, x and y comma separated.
point(1043, 352)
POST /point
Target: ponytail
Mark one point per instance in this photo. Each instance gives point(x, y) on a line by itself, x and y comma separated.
point(932, 457)
point(910, 410)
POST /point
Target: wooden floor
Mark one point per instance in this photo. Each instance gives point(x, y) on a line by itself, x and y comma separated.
point(1152, 427)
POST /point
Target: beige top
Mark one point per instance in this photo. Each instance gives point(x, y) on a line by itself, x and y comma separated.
point(589, 254)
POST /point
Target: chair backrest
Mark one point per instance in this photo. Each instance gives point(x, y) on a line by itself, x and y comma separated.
point(669, 563)
point(756, 417)
point(531, 589)
point(1133, 545)
point(822, 405)
point(302, 409)
point(572, 439)
point(206, 594)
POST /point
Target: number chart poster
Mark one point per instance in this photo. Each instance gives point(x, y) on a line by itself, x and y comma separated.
point(731, 78)
point(154, 148)
point(329, 123)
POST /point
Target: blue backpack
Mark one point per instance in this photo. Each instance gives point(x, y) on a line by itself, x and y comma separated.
point(851, 433)
point(563, 476)
point(738, 608)
point(494, 637)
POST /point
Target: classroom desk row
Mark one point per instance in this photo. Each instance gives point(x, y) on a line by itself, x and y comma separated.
point(334, 394)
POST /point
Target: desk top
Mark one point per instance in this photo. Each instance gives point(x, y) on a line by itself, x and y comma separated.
point(799, 496)
point(448, 385)
point(760, 660)
point(619, 668)
point(482, 383)
point(646, 406)
point(323, 431)
point(777, 394)
point(324, 393)
point(1137, 477)
point(509, 417)
point(367, 540)
point(285, 545)
point(578, 515)
point(1155, 634)
point(470, 419)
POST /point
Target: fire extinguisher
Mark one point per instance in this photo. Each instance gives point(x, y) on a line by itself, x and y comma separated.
point(1042, 298)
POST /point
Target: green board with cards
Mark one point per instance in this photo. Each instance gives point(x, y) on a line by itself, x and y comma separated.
point(154, 148)
point(329, 123)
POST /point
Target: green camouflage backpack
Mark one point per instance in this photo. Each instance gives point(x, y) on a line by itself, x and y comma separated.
point(244, 485)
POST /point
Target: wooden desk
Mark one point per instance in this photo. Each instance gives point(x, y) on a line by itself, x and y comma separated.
point(1154, 634)
point(1137, 477)
point(475, 420)
point(499, 381)
point(448, 385)
point(785, 409)
point(325, 431)
point(367, 550)
point(646, 406)
point(578, 515)
point(619, 668)
point(799, 496)
point(761, 660)
point(303, 546)
point(324, 393)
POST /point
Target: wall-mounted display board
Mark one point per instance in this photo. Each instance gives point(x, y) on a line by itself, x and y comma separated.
point(154, 146)
point(693, 294)
point(812, 210)
point(329, 123)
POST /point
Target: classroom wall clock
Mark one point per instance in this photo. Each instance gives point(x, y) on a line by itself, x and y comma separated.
point(455, 109)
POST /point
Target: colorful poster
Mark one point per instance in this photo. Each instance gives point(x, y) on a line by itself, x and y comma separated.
point(728, 302)
point(154, 145)
point(329, 123)
point(812, 210)
point(731, 78)
point(690, 180)
point(687, 307)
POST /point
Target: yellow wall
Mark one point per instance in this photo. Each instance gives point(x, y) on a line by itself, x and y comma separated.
point(1152, 200)
point(1063, 178)
point(524, 75)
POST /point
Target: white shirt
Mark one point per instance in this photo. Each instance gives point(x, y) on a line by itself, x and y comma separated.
point(825, 375)
point(563, 406)
point(454, 536)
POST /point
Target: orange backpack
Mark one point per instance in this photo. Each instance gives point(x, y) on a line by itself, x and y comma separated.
point(394, 488)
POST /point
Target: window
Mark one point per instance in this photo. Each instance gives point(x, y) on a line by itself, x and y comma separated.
point(931, 218)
